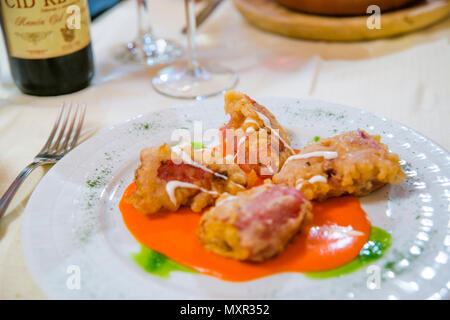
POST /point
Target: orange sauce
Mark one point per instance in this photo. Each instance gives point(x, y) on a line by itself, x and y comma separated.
point(315, 248)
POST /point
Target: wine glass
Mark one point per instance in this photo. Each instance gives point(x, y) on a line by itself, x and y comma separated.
point(146, 48)
point(192, 80)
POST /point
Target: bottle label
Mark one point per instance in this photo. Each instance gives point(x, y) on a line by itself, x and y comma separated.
point(40, 29)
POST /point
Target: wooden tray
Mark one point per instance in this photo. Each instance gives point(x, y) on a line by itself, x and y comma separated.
point(270, 16)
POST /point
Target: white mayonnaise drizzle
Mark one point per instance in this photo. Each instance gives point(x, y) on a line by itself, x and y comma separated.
point(269, 168)
point(251, 129)
point(225, 200)
point(299, 183)
point(317, 178)
point(251, 121)
point(325, 154)
point(172, 185)
point(241, 140)
point(268, 124)
point(187, 159)
point(336, 231)
point(237, 184)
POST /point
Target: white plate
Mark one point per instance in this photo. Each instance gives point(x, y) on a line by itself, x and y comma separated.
point(71, 229)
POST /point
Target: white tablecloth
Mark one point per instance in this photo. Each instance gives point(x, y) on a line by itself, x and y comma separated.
point(406, 78)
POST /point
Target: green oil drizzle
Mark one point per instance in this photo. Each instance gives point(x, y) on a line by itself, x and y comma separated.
point(156, 263)
point(197, 145)
point(379, 242)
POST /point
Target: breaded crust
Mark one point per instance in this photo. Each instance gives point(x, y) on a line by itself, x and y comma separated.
point(254, 225)
point(363, 164)
point(260, 142)
point(159, 166)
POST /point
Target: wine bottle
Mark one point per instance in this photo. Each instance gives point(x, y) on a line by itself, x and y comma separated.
point(48, 44)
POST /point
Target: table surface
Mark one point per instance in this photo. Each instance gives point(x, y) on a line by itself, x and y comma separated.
point(405, 78)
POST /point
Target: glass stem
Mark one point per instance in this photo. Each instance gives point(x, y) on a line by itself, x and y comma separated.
point(144, 27)
point(193, 65)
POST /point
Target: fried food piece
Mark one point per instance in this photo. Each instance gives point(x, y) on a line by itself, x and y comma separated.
point(245, 112)
point(256, 138)
point(168, 180)
point(254, 225)
point(353, 163)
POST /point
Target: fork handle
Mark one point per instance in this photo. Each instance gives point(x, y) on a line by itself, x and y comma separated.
point(9, 194)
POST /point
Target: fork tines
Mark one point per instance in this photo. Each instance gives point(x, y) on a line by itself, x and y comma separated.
point(66, 130)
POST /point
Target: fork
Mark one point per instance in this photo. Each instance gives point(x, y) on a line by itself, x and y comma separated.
point(59, 143)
